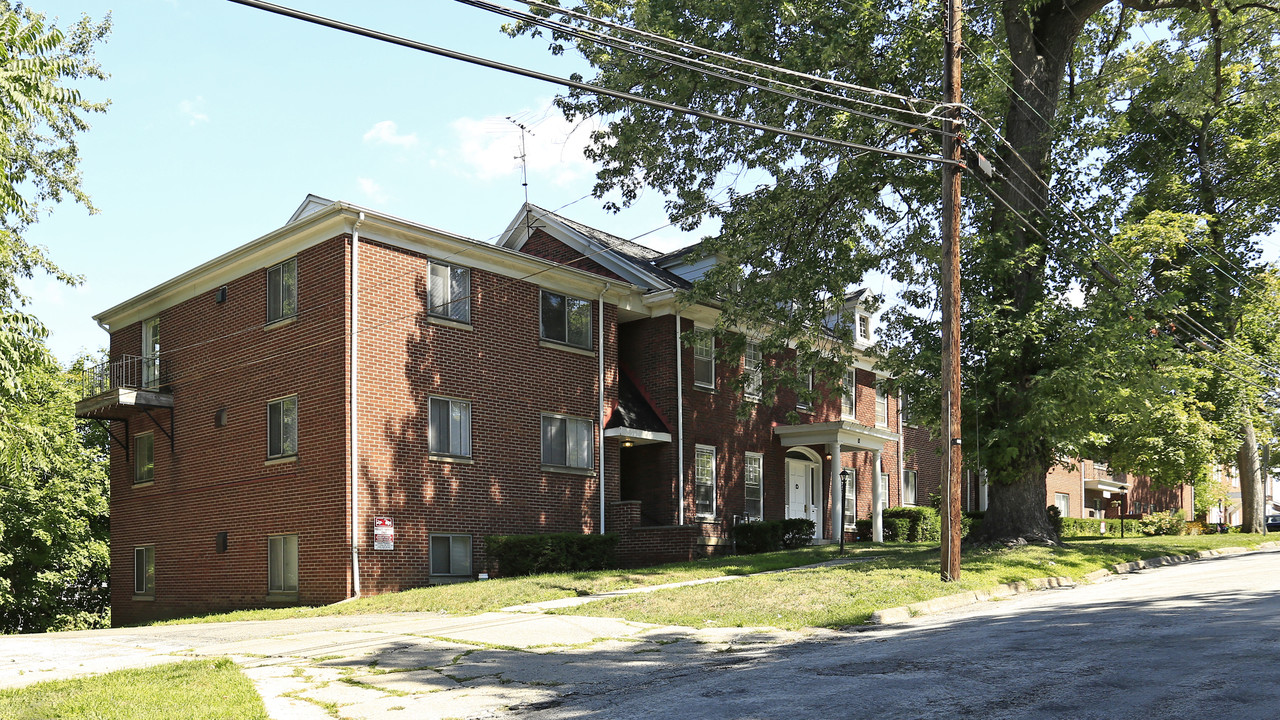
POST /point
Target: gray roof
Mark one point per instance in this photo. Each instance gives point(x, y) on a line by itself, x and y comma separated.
point(642, 257)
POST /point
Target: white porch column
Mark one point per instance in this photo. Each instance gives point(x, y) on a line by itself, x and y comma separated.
point(837, 498)
point(877, 512)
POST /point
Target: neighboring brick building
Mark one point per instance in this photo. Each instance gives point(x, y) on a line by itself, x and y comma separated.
point(351, 403)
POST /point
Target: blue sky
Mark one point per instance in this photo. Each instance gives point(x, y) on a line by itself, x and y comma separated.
point(223, 118)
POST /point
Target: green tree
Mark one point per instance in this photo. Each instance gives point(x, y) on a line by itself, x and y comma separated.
point(53, 488)
point(823, 216)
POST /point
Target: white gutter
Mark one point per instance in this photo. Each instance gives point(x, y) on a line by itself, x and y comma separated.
point(355, 407)
point(603, 419)
point(679, 419)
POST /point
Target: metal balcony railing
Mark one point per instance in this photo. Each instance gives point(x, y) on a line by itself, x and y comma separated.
point(126, 371)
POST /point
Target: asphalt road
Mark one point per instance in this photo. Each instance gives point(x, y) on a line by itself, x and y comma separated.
point(1194, 640)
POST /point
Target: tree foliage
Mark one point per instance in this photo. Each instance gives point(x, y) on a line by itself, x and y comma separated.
point(1054, 359)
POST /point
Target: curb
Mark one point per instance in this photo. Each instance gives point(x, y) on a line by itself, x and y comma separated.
point(903, 613)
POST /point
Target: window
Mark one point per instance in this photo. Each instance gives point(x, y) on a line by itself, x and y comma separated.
point(904, 408)
point(450, 554)
point(751, 368)
point(884, 490)
point(144, 571)
point(704, 358)
point(850, 498)
point(449, 292)
point(566, 320)
point(282, 427)
point(566, 441)
point(882, 407)
point(144, 458)
point(1063, 501)
point(151, 353)
point(908, 487)
point(864, 327)
point(849, 396)
point(282, 291)
point(704, 480)
point(802, 400)
point(282, 564)
point(753, 482)
point(450, 427)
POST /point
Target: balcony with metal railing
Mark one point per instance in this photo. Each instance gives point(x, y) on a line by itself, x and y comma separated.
point(111, 390)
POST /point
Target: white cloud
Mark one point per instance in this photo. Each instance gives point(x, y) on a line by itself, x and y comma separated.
point(194, 110)
point(372, 190)
point(489, 148)
point(386, 133)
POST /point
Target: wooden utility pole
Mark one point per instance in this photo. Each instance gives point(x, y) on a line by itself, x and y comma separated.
point(950, 290)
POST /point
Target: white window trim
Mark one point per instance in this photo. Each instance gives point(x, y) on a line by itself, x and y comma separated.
point(801, 403)
point(591, 446)
point(148, 553)
point(700, 334)
point(297, 563)
point(864, 327)
point(590, 344)
point(452, 536)
point(748, 457)
point(1067, 496)
point(450, 400)
point(915, 481)
point(754, 385)
point(283, 315)
point(697, 450)
point(882, 406)
point(296, 413)
point(137, 457)
point(851, 493)
point(443, 313)
point(150, 353)
point(849, 392)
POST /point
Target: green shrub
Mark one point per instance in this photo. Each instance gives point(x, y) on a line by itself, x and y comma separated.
point(863, 529)
point(757, 537)
point(971, 523)
point(1163, 523)
point(513, 555)
point(1055, 517)
point(896, 529)
point(924, 524)
point(797, 532)
point(1087, 527)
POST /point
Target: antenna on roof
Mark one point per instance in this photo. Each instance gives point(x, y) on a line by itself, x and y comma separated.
point(523, 157)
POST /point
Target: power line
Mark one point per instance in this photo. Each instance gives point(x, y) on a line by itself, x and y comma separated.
point(574, 84)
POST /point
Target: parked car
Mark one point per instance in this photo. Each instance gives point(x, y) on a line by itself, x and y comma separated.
point(1273, 523)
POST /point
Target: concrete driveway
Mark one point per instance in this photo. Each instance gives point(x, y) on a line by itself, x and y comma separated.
point(1160, 643)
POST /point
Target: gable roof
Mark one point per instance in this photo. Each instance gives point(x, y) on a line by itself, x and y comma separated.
point(631, 260)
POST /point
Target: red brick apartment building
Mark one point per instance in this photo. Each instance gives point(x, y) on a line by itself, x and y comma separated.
point(349, 404)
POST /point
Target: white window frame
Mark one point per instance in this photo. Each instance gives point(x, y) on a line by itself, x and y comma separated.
point(1063, 502)
point(569, 302)
point(850, 517)
point(801, 402)
point(849, 395)
point(144, 571)
point(288, 401)
point(151, 353)
point(704, 476)
point(753, 477)
point(704, 359)
point(459, 427)
point(571, 425)
point(910, 487)
point(864, 327)
point(752, 364)
point(884, 490)
point(286, 293)
point(458, 551)
point(144, 463)
point(282, 564)
point(449, 291)
point(882, 406)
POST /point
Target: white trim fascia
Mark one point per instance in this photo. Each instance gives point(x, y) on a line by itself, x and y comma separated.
point(633, 434)
point(339, 218)
point(517, 234)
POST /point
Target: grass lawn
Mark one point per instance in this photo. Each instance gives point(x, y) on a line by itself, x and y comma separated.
point(896, 574)
point(196, 690)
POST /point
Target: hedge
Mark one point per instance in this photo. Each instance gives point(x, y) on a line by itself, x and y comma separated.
point(770, 535)
point(513, 555)
point(917, 524)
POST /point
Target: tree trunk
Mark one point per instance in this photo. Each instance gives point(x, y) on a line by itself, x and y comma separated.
point(1019, 511)
point(1252, 495)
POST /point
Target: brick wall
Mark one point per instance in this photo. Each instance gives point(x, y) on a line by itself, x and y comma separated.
point(219, 356)
point(1065, 479)
point(541, 244)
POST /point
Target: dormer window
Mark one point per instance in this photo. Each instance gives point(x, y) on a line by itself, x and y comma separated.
point(864, 328)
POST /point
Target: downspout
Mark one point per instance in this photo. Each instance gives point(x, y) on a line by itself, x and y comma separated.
point(679, 420)
point(902, 451)
point(1082, 481)
point(603, 419)
point(355, 407)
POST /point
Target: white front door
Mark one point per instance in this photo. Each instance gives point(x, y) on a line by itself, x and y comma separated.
point(802, 493)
